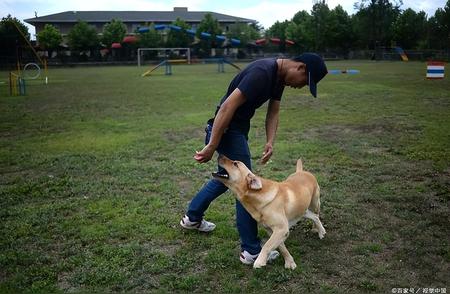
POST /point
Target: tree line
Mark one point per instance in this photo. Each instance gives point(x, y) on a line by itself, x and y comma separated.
point(377, 23)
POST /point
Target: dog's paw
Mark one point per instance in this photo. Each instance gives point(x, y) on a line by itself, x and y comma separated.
point(322, 234)
point(290, 265)
point(258, 263)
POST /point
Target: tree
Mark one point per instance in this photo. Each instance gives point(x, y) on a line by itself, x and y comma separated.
point(257, 27)
point(12, 41)
point(211, 26)
point(340, 35)
point(150, 39)
point(410, 28)
point(243, 32)
point(49, 38)
point(439, 28)
point(178, 39)
point(278, 30)
point(320, 24)
point(375, 19)
point(300, 30)
point(113, 32)
point(83, 37)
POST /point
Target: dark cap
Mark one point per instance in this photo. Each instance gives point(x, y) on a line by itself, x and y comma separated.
point(315, 68)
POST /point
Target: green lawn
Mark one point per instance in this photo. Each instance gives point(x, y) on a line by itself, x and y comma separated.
point(97, 170)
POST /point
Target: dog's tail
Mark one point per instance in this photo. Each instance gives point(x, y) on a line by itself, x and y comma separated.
point(299, 165)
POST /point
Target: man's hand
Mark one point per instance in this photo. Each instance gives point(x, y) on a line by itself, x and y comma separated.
point(205, 155)
point(268, 151)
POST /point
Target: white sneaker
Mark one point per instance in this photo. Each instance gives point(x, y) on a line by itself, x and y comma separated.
point(203, 226)
point(247, 258)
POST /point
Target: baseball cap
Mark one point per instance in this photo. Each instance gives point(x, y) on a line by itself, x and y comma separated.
point(315, 68)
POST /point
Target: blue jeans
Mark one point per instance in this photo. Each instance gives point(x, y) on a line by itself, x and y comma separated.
point(234, 146)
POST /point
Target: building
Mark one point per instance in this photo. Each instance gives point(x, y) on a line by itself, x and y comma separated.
point(64, 21)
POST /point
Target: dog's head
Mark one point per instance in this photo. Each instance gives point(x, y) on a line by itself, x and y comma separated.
point(237, 176)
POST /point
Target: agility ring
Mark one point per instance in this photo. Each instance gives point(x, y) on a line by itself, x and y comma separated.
point(29, 69)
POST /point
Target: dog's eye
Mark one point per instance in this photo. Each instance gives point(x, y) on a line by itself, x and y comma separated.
point(235, 163)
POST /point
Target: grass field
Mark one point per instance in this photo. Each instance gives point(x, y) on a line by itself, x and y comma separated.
point(97, 170)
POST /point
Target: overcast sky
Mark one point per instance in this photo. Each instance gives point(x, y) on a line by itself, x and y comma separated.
point(265, 12)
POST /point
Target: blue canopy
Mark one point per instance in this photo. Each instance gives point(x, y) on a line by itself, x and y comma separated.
point(205, 35)
point(175, 28)
point(143, 30)
point(220, 38)
point(191, 32)
point(235, 42)
point(160, 27)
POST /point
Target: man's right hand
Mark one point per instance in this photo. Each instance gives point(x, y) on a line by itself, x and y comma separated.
point(205, 154)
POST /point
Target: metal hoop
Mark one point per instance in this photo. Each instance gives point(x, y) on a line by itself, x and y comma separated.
point(32, 77)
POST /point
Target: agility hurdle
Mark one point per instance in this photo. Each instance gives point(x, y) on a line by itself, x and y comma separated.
point(220, 63)
point(435, 70)
point(402, 53)
point(167, 64)
point(17, 85)
point(343, 71)
point(140, 52)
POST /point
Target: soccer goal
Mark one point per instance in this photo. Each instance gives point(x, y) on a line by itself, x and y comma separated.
point(152, 54)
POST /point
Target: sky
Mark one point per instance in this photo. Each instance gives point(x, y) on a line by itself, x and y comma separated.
point(264, 11)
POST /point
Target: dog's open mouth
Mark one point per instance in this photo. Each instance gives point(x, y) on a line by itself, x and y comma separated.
point(222, 175)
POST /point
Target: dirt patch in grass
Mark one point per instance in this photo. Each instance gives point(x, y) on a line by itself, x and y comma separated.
point(180, 136)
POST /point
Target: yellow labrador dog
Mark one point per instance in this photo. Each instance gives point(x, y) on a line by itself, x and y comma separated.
point(277, 206)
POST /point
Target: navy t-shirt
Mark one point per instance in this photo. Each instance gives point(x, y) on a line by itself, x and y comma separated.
point(259, 83)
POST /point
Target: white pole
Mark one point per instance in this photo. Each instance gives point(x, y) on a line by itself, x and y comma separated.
point(189, 55)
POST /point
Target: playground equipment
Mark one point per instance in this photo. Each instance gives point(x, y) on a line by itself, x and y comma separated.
point(402, 53)
point(140, 52)
point(29, 65)
point(17, 85)
point(389, 53)
point(343, 71)
point(31, 71)
point(168, 65)
point(220, 63)
point(435, 70)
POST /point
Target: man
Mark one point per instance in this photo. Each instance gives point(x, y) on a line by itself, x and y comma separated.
point(227, 133)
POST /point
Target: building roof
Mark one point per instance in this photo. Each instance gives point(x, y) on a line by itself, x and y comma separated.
point(134, 16)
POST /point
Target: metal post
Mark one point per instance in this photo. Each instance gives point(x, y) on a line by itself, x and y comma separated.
point(220, 67)
point(10, 84)
point(22, 86)
point(168, 68)
point(189, 55)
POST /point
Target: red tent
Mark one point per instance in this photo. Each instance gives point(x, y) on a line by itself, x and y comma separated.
point(275, 40)
point(260, 42)
point(289, 42)
point(129, 39)
point(116, 45)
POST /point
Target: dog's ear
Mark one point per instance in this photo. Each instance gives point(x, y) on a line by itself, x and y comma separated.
point(253, 182)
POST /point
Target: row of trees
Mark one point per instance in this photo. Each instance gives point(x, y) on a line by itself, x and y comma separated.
point(377, 23)
point(83, 37)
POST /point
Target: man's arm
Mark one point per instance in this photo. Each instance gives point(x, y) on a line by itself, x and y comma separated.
point(272, 116)
point(221, 122)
